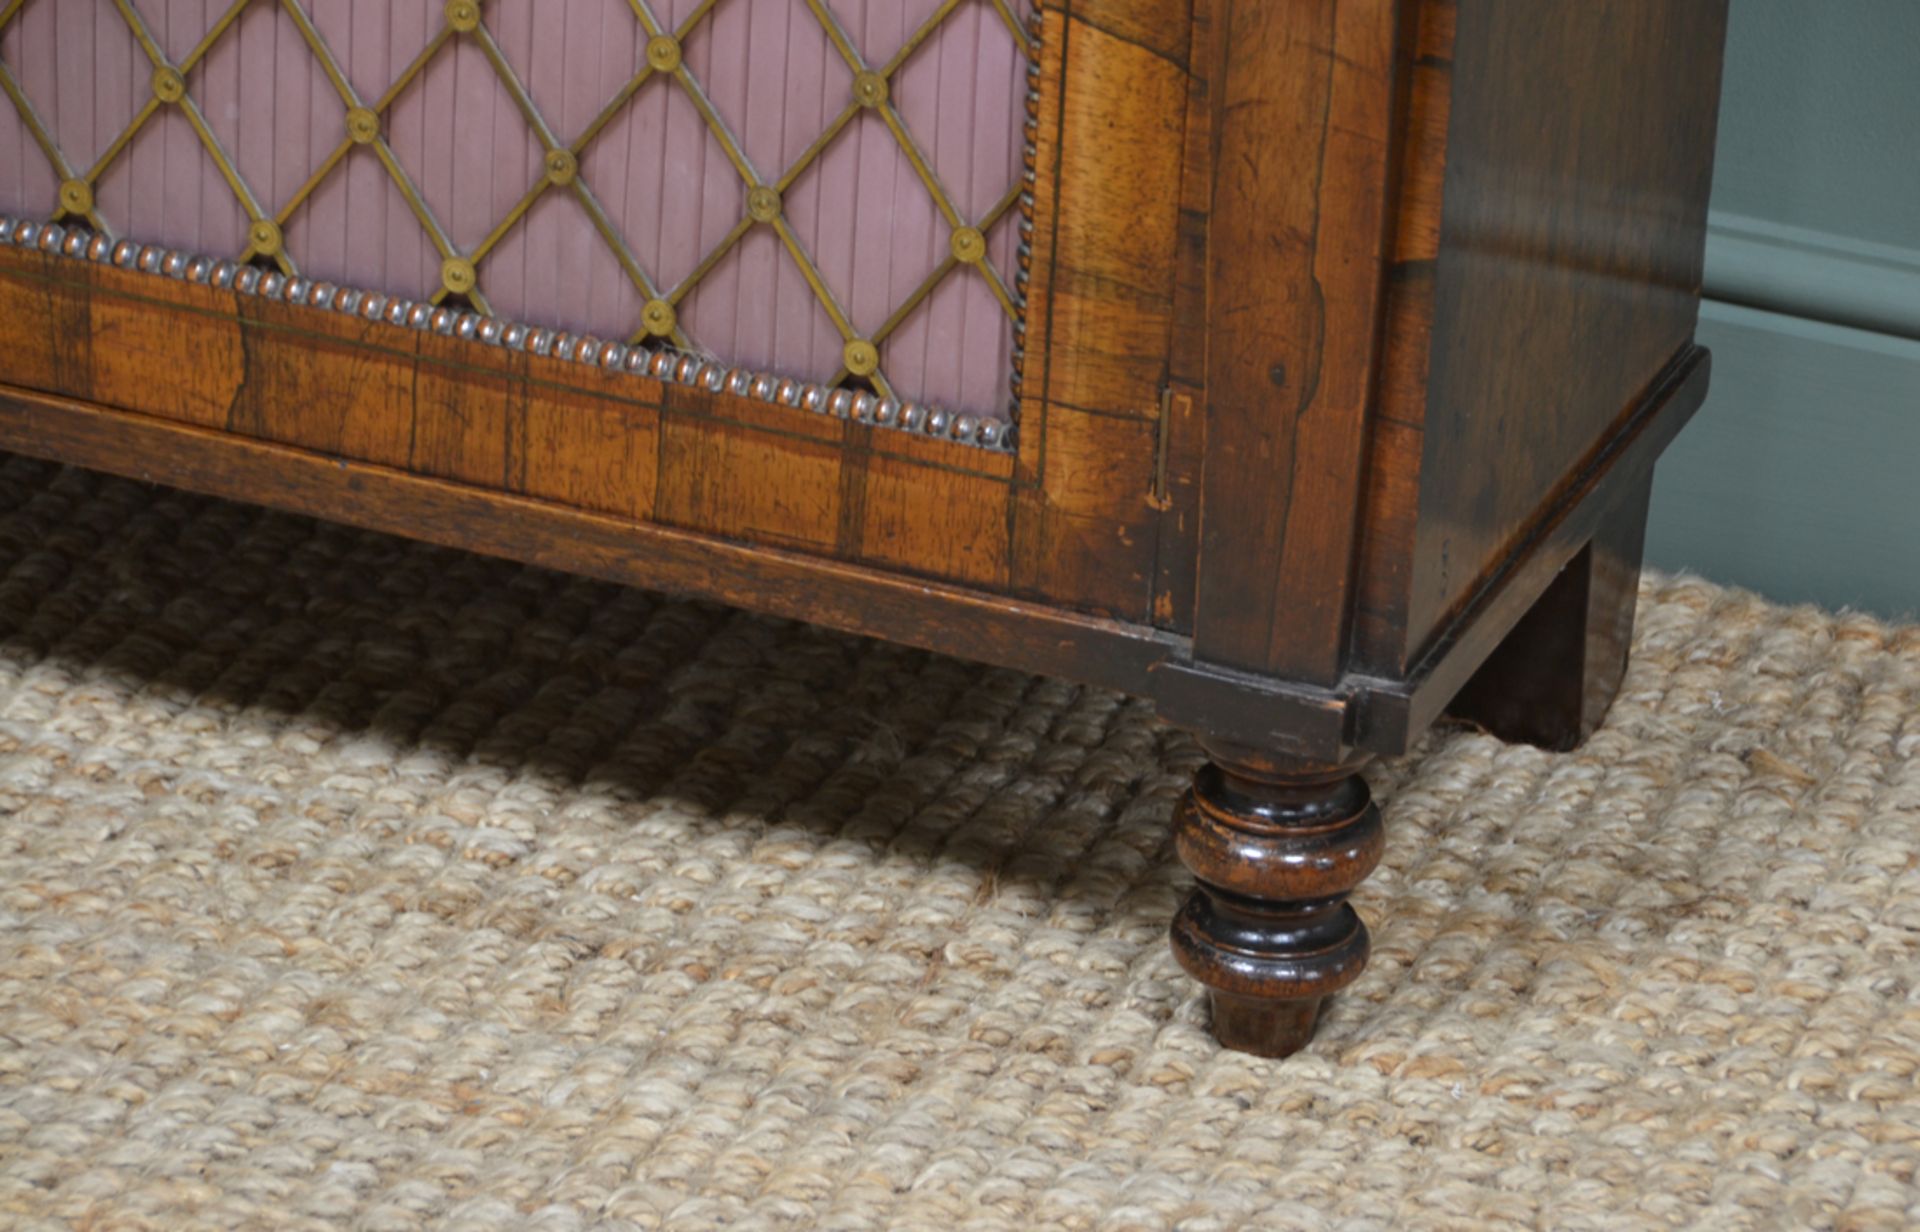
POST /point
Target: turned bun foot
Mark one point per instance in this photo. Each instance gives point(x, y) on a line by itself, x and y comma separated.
point(1276, 848)
point(1263, 1028)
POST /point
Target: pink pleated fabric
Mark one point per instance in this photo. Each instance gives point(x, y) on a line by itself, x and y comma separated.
point(665, 183)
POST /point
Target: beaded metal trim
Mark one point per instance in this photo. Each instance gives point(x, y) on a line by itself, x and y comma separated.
point(660, 364)
point(1030, 178)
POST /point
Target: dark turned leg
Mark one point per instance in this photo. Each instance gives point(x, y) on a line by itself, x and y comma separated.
point(1276, 846)
point(1550, 682)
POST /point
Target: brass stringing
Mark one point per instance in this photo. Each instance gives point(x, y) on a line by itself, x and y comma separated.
point(362, 121)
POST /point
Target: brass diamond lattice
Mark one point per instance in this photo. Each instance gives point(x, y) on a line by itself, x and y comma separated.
point(462, 272)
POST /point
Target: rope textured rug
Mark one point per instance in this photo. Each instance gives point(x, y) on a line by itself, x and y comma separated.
point(347, 881)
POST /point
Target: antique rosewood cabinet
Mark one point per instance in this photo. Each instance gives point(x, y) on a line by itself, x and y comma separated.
point(1300, 365)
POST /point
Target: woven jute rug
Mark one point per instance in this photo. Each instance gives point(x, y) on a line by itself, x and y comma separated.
point(345, 881)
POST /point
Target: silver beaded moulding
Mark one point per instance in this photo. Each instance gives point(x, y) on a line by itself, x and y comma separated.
point(660, 364)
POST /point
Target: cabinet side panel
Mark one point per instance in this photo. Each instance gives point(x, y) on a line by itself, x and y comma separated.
point(1578, 166)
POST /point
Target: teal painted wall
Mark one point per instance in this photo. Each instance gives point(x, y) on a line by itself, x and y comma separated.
point(1800, 478)
point(1818, 114)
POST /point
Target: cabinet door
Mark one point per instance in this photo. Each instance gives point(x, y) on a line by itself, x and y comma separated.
point(891, 282)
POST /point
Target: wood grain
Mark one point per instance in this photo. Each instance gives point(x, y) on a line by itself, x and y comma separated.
point(885, 603)
point(32, 356)
point(1275, 846)
point(338, 396)
point(204, 368)
point(1184, 420)
point(596, 453)
point(1552, 679)
point(1569, 270)
point(1304, 106)
point(464, 409)
point(1101, 313)
point(1392, 711)
point(1391, 500)
point(967, 543)
point(719, 476)
point(513, 422)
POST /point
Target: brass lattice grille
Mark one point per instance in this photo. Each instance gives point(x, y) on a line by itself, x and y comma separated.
point(463, 276)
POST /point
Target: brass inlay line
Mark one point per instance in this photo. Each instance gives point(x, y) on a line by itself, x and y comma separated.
point(413, 70)
point(551, 145)
point(483, 38)
point(335, 74)
point(890, 114)
point(191, 109)
point(818, 147)
point(352, 103)
point(612, 110)
point(307, 189)
point(611, 235)
point(1012, 22)
point(214, 31)
point(120, 143)
point(918, 37)
point(37, 128)
point(711, 259)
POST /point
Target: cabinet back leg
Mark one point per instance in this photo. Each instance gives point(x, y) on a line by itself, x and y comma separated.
point(1549, 683)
